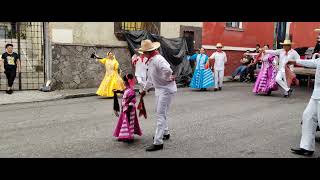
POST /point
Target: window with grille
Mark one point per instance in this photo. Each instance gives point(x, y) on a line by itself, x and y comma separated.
point(237, 25)
point(120, 27)
point(132, 26)
point(28, 41)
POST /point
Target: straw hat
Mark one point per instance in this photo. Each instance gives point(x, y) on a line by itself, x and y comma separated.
point(148, 45)
point(287, 42)
point(317, 30)
point(219, 45)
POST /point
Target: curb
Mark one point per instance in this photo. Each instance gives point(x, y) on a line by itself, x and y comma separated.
point(84, 95)
point(36, 101)
point(79, 95)
point(72, 96)
point(94, 94)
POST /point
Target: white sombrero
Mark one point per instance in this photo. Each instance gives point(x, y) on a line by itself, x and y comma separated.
point(219, 45)
point(287, 42)
point(148, 45)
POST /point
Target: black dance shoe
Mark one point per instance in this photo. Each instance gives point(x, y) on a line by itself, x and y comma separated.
point(301, 151)
point(154, 147)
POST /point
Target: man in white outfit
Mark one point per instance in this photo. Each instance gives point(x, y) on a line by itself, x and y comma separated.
point(139, 62)
point(311, 115)
point(160, 76)
point(284, 55)
point(317, 46)
point(220, 58)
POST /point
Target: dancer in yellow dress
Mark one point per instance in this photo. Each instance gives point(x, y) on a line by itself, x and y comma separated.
point(112, 80)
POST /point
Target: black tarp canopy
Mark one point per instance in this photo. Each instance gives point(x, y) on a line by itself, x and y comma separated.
point(301, 50)
point(174, 50)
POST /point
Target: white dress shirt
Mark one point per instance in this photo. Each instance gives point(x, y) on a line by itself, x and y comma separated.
point(220, 58)
point(158, 75)
point(141, 67)
point(313, 63)
point(283, 58)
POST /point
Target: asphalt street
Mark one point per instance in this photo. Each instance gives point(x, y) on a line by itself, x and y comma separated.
point(231, 123)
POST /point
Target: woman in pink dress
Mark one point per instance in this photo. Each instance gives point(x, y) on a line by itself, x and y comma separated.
point(128, 124)
point(266, 80)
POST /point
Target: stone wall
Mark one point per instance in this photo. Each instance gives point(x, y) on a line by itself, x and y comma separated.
point(72, 67)
point(92, 33)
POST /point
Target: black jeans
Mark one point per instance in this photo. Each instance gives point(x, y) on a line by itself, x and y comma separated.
point(250, 71)
point(11, 76)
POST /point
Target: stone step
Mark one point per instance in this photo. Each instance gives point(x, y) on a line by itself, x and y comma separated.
point(32, 67)
point(4, 81)
point(24, 80)
point(25, 75)
point(29, 80)
point(23, 86)
point(27, 70)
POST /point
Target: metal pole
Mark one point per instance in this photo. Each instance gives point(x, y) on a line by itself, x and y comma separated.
point(288, 30)
point(19, 52)
point(275, 35)
point(47, 51)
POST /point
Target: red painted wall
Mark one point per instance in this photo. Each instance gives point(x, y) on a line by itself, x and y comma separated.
point(303, 33)
point(254, 33)
point(233, 60)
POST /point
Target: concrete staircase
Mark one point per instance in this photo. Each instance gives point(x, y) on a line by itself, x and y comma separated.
point(29, 81)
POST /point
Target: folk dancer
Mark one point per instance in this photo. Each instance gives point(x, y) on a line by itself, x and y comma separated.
point(112, 80)
point(202, 76)
point(220, 58)
point(284, 55)
point(128, 123)
point(160, 76)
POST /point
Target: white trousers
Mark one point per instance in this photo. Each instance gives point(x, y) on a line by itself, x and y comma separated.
point(141, 81)
point(218, 78)
point(310, 121)
point(282, 81)
point(163, 102)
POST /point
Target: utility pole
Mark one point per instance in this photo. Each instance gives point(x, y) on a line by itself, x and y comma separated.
point(282, 30)
point(288, 36)
point(48, 53)
point(275, 35)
